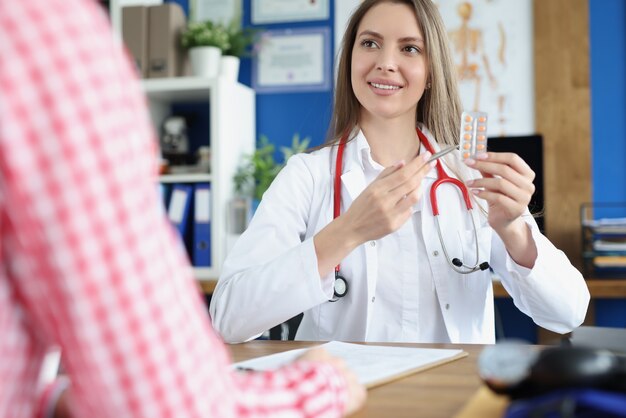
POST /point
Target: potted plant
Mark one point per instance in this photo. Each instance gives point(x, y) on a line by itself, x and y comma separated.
point(205, 42)
point(256, 173)
point(239, 42)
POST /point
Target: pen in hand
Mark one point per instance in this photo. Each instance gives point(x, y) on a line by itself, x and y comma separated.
point(441, 153)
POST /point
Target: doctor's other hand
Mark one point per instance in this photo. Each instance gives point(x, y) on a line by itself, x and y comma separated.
point(507, 186)
point(356, 392)
point(386, 204)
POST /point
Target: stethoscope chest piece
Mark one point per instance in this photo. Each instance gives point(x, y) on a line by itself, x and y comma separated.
point(340, 287)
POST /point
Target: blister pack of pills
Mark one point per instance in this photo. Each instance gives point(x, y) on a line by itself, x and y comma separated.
point(473, 134)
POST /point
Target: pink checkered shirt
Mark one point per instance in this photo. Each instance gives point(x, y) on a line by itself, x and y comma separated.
point(87, 259)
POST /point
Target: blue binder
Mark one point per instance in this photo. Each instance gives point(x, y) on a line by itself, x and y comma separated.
point(164, 192)
point(178, 210)
point(202, 225)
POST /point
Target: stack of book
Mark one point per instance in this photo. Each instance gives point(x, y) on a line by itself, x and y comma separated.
point(604, 242)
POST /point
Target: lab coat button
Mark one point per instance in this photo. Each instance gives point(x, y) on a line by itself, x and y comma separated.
point(373, 299)
point(447, 306)
point(373, 243)
point(435, 253)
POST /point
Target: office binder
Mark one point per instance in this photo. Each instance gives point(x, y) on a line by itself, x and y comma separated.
point(202, 226)
point(165, 54)
point(178, 210)
point(164, 193)
point(135, 35)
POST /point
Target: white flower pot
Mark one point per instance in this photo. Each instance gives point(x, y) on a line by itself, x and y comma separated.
point(205, 61)
point(229, 67)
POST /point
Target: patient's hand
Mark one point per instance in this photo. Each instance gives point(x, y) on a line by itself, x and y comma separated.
point(356, 391)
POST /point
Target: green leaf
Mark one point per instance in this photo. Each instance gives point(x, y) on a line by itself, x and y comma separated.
point(258, 170)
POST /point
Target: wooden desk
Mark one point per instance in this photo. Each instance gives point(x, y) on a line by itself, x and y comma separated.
point(208, 286)
point(438, 392)
point(599, 288)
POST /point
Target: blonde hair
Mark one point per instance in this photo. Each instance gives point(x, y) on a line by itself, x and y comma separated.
point(439, 109)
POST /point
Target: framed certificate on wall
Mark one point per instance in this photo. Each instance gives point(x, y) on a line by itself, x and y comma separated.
point(276, 11)
point(293, 60)
point(218, 11)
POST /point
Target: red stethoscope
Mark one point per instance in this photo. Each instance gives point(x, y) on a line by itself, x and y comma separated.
point(341, 284)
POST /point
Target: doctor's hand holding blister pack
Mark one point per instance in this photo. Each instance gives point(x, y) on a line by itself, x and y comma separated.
point(373, 239)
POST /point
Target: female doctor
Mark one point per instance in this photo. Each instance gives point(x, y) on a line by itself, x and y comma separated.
point(381, 266)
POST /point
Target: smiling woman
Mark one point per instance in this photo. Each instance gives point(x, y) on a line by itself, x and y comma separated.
point(347, 235)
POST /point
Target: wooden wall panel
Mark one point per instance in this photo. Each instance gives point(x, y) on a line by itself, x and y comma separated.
point(563, 116)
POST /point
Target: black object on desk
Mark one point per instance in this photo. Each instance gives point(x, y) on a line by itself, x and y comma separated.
point(523, 371)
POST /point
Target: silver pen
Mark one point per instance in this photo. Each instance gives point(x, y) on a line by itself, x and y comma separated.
point(441, 153)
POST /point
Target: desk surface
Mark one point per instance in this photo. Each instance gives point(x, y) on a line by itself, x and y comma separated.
point(438, 392)
point(599, 288)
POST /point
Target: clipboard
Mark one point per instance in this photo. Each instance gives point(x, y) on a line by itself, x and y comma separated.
point(374, 365)
point(409, 372)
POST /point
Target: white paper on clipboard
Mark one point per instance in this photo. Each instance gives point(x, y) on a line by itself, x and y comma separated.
point(373, 365)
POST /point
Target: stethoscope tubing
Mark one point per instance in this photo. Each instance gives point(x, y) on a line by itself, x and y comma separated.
point(463, 269)
point(443, 177)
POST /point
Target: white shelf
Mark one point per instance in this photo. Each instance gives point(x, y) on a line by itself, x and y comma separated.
point(186, 178)
point(205, 274)
point(189, 89)
point(232, 130)
point(231, 113)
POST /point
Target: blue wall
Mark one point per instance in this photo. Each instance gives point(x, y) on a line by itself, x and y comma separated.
point(608, 99)
point(607, 27)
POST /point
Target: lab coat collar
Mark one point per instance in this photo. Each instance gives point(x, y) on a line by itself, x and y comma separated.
point(358, 147)
point(362, 148)
point(353, 176)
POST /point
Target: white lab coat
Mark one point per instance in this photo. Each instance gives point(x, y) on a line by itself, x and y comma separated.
point(271, 273)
